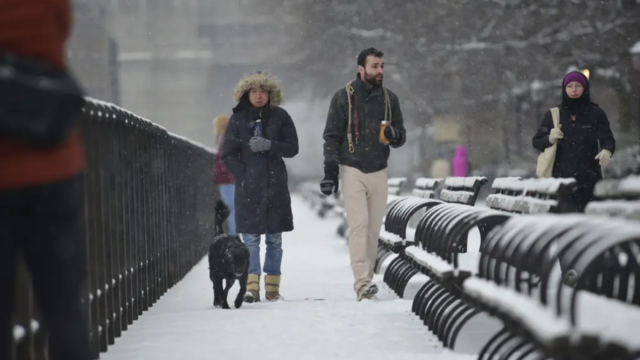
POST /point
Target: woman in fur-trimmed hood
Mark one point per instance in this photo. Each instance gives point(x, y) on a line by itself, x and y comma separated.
point(259, 135)
point(261, 80)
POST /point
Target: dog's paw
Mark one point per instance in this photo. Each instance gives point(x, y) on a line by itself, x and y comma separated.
point(225, 305)
point(238, 303)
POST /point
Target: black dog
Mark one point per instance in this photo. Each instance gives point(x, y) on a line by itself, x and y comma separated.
point(228, 260)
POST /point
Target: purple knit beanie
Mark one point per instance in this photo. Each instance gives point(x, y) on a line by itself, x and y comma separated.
point(575, 76)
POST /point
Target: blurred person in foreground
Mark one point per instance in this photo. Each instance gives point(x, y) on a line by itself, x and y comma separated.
point(584, 138)
point(259, 135)
point(221, 175)
point(364, 121)
point(41, 180)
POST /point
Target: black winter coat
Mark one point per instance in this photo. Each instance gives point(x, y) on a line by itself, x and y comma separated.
point(262, 199)
point(576, 152)
point(369, 155)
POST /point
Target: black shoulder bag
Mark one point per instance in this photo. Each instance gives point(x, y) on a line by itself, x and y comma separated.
point(39, 103)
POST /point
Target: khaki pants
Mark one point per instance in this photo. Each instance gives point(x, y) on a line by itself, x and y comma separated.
point(365, 202)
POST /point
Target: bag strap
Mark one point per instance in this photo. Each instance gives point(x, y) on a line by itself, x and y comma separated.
point(387, 111)
point(350, 91)
point(387, 105)
point(555, 115)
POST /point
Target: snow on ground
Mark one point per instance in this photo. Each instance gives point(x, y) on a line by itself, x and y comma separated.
point(319, 319)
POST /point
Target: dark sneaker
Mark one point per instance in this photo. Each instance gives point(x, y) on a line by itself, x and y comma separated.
point(368, 291)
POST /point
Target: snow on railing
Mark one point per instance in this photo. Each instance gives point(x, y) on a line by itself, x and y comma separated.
point(111, 111)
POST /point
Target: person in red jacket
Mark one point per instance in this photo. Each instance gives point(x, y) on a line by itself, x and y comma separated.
point(221, 175)
point(42, 198)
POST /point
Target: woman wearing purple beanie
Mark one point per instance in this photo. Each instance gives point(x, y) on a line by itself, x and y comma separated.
point(584, 138)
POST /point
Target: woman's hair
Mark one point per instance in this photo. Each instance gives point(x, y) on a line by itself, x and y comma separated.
point(220, 124)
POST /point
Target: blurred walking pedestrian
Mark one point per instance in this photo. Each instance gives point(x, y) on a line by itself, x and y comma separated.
point(42, 215)
point(221, 175)
point(460, 162)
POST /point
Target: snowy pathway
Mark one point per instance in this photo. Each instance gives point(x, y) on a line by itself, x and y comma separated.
point(319, 319)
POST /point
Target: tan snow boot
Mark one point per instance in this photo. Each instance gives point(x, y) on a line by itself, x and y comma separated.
point(272, 287)
point(253, 289)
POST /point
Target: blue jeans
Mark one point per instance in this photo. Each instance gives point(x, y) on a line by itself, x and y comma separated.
point(227, 194)
point(273, 258)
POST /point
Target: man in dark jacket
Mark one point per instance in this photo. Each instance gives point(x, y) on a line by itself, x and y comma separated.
point(259, 135)
point(357, 147)
point(42, 198)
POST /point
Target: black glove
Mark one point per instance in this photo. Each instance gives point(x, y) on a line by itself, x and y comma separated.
point(329, 183)
point(391, 134)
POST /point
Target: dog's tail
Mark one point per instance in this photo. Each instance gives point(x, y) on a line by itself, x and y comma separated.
point(222, 214)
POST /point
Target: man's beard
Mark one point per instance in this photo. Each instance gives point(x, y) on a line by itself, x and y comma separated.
point(371, 79)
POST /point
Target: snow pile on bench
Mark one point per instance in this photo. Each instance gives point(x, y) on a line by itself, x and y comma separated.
point(528, 196)
point(617, 208)
point(425, 188)
point(533, 316)
point(461, 190)
point(500, 200)
point(394, 185)
point(432, 263)
point(617, 327)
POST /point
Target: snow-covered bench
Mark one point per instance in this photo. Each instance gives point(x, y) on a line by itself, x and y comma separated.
point(462, 190)
point(458, 191)
point(396, 234)
point(562, 320)
point(439, 239)
point(395, 185)
point(310, 192)
point(620, 198)
point(504, 194)
point(530, 196)
point(626, 161)
point(426, 188)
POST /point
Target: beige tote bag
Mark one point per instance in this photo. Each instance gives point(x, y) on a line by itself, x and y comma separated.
point(548, 157)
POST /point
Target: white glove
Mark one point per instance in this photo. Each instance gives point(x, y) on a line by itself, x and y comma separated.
point(555, 134)
point(604, 156)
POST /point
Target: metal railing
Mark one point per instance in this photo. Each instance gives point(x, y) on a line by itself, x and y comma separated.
point(150, 203)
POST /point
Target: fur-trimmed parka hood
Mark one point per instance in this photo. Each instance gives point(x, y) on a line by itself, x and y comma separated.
point(262, 80)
